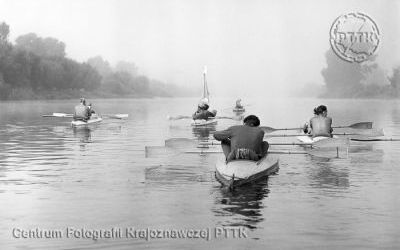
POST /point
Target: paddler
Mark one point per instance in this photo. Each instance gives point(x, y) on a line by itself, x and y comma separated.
point(320, 124)
point(202, 112)
point(243, 141)
point(238, 104)
point(82, 111)
point(91, 110)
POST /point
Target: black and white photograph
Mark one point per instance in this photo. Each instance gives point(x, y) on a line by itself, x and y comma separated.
point(199, 124)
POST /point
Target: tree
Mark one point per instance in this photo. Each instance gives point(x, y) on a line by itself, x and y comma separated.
point(45, 47)
point(4, 32)
point(129, 67)
point(342, 79)
point(101, 65)
point(395, 81)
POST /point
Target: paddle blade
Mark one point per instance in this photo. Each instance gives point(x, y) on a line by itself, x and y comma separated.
point(361, 125)
point(180, 117)
point(332, 143)
point(180, 143)
point(374, 139)
point(338, 152)
point(158, 151)
point(368, 132)
point(61, 115)
point(119, 116)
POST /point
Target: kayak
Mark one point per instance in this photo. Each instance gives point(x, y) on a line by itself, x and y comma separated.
point(199, 123)
point(93, 120)
point(239, 110)
point(309, 139)
point(240, 172)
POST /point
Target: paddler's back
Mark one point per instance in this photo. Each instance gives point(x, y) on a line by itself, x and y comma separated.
point(243, 136)
point(81, 112)
point(321, 126)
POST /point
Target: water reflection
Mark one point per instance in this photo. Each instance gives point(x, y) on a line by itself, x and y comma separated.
point(324, 173)
point(241, 207)
point(84, 134)
point(203, 132)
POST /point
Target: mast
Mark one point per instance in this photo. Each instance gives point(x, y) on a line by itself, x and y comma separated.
point(206, 93)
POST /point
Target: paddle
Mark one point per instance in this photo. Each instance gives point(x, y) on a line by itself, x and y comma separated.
point(358, 125)
point(179, 117)
point(189, 143)
point(153, 151)
point(369, 132)
point(115, 116)
point(183, 117)
point(236, 118)
point(62, 115)
point(366, 139)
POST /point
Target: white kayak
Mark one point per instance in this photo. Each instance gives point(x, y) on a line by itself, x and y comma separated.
point(240, 172)
point(239, 110)
point(93, 120)
point(199, 123)
point(310, 139)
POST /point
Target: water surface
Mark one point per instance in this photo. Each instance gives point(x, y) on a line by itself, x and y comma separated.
point(53, 177)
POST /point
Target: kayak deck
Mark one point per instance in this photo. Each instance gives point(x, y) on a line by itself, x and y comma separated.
point(198, 123)
point(240, 172)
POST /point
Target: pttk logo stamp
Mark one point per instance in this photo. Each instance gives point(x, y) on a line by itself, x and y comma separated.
point(354, 37)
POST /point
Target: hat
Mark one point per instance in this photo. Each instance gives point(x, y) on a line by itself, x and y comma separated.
point(203, 102)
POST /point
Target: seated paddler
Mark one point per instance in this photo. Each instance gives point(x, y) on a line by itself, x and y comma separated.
point(239, 104)
point(82, 111)
point(202, 112)
point(243, 141)
point(320, 124)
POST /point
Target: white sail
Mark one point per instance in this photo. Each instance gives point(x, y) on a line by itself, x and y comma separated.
point(206, 93)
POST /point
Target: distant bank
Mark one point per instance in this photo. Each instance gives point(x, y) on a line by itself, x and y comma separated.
point(37, 68)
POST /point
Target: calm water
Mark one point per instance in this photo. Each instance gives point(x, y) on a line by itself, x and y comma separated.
point(54, 177)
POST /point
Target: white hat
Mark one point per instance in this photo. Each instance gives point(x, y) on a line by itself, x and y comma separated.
point(203, 102)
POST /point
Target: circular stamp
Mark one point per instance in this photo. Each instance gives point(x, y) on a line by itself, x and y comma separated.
point(354, 37)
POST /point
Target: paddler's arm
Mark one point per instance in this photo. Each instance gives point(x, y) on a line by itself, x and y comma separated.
point(330, 124)
point(212, 114)
point(196, 115)
point(224, 135)
point(307, 127)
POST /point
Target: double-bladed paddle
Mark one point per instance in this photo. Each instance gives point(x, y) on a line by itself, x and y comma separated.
point(190, 143)
point(61, 115)
point(362, 138)
point(64, 115)
point(154, 151)
point(183, 117)
point(369, 132)
point(358, 125)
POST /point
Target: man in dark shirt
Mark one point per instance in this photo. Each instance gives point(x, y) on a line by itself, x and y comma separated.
point(243, 141)
point(81, 111)
point(202, 112)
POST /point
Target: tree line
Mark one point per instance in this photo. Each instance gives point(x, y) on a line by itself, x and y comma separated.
point(359, 80)
point(35, 68)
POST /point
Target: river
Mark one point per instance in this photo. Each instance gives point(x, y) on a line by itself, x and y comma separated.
point(54, 177)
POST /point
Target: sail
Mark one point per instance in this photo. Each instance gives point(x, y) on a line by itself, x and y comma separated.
point(206, 93)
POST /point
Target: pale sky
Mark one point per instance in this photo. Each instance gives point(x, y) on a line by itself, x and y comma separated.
point(251, 47)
